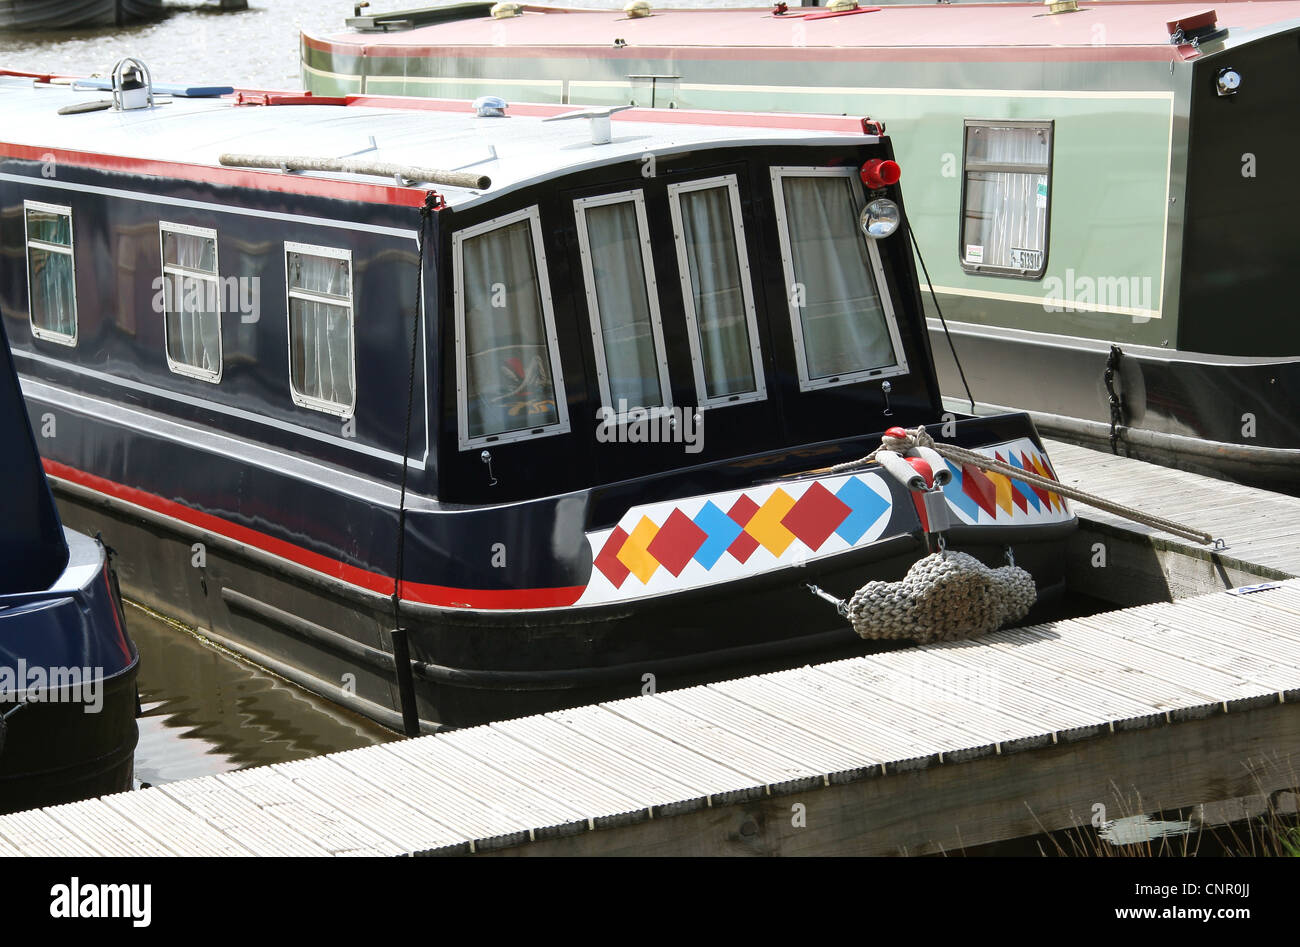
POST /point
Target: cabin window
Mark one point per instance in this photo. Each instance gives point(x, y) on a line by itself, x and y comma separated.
point(716, 291)
point(191, 300)
point(321, 364)
point(1006, 192)
point(844, 329)
point(509, 385)
point(623, 302)
point(51, 276)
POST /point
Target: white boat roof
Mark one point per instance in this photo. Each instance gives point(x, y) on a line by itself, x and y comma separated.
point(515, 151)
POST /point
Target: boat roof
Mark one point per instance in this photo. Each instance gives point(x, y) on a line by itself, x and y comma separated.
point(185, 137)
point(1130, 29)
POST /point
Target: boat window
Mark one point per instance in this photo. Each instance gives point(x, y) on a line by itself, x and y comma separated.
point(321, 364)
point(191, 300)
point(1005, 198)
point(716, 291)
point(509, 385)
point(623, 302)
point(844, 328)
point(51, 276)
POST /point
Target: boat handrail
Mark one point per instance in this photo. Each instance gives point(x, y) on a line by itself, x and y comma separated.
point(402, 173)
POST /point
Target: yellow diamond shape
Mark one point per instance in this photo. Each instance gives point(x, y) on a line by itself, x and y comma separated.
point(634, 554)
point(1003, 497)
point(765, 526)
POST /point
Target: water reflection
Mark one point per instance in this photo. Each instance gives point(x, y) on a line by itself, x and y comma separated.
point(207, 711)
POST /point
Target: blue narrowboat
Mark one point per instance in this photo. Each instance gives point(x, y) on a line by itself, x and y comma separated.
point(581, 380)
point(67, 666)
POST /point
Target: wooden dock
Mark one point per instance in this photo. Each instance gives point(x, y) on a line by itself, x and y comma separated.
point(928, 749)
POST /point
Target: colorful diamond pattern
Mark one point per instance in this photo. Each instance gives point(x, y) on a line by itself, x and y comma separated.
point(815, 515)
point(676, 542)
point(721, 531)
point(974, 490)
point(634, 552)
point(775, 524)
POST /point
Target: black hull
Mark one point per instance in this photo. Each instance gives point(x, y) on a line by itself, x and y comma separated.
point(55, 752)
point(1227, 417)
point(70, 14)
point(471, 667)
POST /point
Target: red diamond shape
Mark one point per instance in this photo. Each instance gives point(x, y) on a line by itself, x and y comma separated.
point(607, 562)
point(815, 516)
point(979, 488)
point(676, 542)
point(742, 511)
point(1043, 495)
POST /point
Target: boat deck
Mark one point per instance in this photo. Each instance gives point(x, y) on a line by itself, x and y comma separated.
point(926, 749)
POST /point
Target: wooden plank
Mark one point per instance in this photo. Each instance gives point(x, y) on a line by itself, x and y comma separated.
point(952, 807)
point(181, 829)
point(370, 805)
point(560, 782)
point(105, 829)
point(276, 795)
point(648, 785)
point(245, 823)
point(36, 834)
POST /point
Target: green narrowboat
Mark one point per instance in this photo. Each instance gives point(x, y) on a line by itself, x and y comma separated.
point(1100, 196)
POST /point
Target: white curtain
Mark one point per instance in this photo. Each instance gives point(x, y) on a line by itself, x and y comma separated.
point(1005, 210)
point(842, 320)
point(321, 332)
point(509, 384)
point(194, 313)
point(631, 362)
point(50, 273)
point(711, 257)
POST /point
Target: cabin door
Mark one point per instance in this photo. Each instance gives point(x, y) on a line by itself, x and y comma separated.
point(665, 290)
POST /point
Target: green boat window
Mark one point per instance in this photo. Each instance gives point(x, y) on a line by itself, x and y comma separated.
point(51, 273)
point(508, 360)
point(190, 300)
point(1006, 198)
point(321, 365)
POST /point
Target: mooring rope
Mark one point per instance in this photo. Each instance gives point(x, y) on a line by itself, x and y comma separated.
point(919, 437)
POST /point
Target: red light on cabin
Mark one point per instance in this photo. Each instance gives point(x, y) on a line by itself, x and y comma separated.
point(880, 173)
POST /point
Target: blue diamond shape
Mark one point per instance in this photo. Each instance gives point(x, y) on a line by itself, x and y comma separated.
point(867, 506)
point(1025, 489)
point(722, 530)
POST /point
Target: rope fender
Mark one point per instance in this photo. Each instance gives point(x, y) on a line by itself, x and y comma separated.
point(945, 596)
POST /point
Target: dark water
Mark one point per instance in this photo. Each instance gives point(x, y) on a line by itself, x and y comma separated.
point(207, 711)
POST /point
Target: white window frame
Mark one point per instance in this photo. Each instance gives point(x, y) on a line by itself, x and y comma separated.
point(730, 182)
point(807, 383)
point(636, 197)
point(69, 251)
point(175, 269)
point(333, 253)
point(561, 426)
point(967, 167)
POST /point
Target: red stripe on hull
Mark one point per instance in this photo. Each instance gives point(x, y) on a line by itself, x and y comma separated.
point(444, 596)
